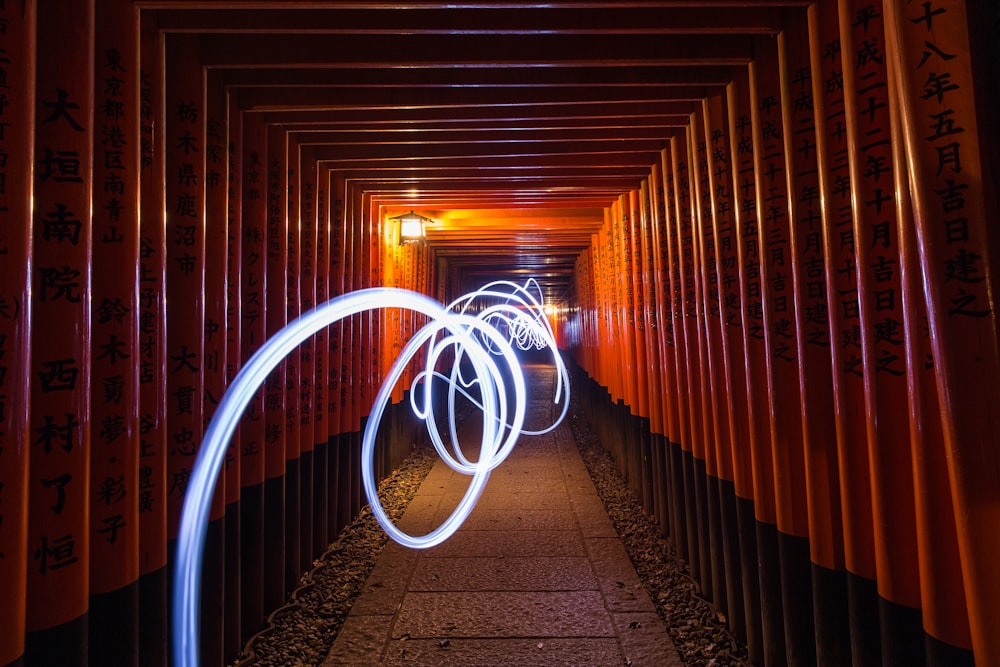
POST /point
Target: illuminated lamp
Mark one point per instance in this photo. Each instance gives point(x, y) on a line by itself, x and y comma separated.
point(412, 227)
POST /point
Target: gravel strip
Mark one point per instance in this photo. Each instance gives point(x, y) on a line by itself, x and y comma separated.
point(696, 627)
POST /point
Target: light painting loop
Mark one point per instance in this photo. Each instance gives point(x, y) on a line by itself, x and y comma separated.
point(515, 318)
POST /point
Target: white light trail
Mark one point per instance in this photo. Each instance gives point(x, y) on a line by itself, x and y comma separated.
point(482, 326)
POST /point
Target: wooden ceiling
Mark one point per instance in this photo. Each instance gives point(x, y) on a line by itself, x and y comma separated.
point(513, 125)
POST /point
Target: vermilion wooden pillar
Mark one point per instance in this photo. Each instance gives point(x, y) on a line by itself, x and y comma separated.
point(730, 382)
point(758, 520)
point(727, 239)
point(184, 173)
point(945, 55)
point(643, 333)
point(298, 514)
point(322, 414)
point(314, 492)
point(152, 361)
point(17, 43)
point(253, 146)
point(814, 383)
point(215, 354)
point(657, 297)
point(943, 602)
point(654, 464)
point(845, 337)
point(313, 193)
point(58, 567)
point(662, 236)
point(707, 299)
point(114, 419)
point(343, 276)
point(338, 412)
point(680, 437)
point(876, 251)
point(819, 347)
point(274, 385)
point(689, 263)
point(781, 336)
point(353, 351)
point(234, 346)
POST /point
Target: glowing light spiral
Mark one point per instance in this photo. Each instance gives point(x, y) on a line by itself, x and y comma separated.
point(506, 315)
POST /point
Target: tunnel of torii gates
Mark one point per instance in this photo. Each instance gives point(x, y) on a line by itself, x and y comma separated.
point(766, 231)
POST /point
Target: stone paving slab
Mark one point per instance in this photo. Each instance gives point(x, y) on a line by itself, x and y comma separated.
point(549, 651)
point(536, 576)
point(515, 519)
point(493, 543)
point(498, 574)
point(502, 614)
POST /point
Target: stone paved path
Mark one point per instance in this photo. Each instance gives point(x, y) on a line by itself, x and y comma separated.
point(535, 576)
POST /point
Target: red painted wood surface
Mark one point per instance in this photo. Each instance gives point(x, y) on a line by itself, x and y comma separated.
point(114, 422)
point(780, 334)
point(18, 45)
point(58, 545)
point(876, 248)
point(217, 269)
point(184, 155)
point(953, 188)
point(253, 275)
point(749, 254)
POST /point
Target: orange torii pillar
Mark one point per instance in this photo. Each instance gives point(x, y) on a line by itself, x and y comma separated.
point(733, 464)
point(253, 332)
point(685, 537)
point(297, 516)
point(152, 358)
point(275, 405)
point(17, 43)
point(184, 155)
point(233, 152)
point(949, 129)
point(947, 639)
point(710, 346)
point(691, 368)
point(757, 521)
point(312, 454)
point(58, 567)
point(216, 349)
point(845, 339)
point(114, 419)
point(883, 354)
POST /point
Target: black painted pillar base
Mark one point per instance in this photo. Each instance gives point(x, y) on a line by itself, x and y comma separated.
point(716, 552)
point(305, 513)
point(251, 560)
point(731, 558)
point(293, 517)
point(114, 627)
point(747, 525)
point(213, 573)
point(321, 517)
point(797, 599)
point(66, 645)
point(833, 636)
point(769, 572)
point(231, 645)
point(678, 497)
point(862, 604)
point(153, 619)
point(902, 634)
point(274, 543)
point(942, 654)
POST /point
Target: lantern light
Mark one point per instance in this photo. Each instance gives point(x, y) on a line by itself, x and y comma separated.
point(412, 227)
